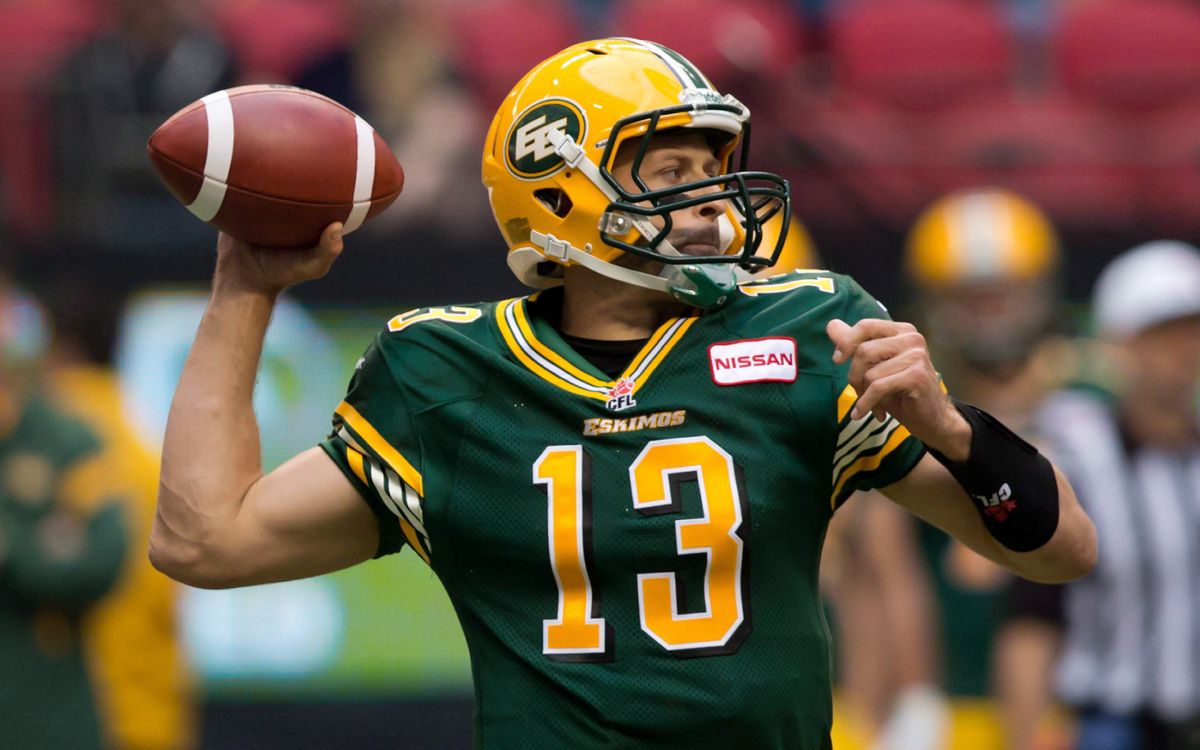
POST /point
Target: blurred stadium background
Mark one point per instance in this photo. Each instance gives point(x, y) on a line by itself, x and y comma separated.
point(1090, 109)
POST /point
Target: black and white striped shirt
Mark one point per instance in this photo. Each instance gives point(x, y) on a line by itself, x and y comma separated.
point(1132, 637)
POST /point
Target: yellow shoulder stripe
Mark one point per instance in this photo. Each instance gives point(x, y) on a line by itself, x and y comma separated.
point(355, 459)
point(377, 443)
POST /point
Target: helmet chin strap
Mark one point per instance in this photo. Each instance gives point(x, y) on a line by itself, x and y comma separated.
point(701, 285)
point(561, 250)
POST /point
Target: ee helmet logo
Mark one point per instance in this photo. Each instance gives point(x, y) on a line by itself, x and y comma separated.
point(529, 154)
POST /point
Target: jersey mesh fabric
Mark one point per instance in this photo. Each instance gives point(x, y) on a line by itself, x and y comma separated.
point(482, 419)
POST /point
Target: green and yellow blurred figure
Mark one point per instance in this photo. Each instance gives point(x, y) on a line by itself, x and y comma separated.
point(62, 541)
point(23, 339)
point(144, 695)
point(983, 267)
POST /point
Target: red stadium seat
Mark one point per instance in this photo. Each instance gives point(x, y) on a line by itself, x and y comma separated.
point(498, 41)
point(1131, 53)
point(723, 39)
point(1066, 156)
point(920, 53)
point(36, 34)
point(35, 37)
point(858, 161)
point(1168, 145)
point(273, 40)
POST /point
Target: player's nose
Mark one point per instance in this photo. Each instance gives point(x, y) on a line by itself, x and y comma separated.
point(713, 208)
point(710, 209)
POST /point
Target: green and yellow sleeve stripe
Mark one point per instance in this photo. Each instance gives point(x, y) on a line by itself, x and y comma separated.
point(386, 474)
point(863, 444)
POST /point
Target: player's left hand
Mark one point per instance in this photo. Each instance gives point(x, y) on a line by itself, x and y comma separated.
point(892, 373)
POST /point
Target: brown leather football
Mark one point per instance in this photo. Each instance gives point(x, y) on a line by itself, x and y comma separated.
point(274, 165)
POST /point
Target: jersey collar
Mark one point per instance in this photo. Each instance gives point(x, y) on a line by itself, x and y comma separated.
point(542, 351)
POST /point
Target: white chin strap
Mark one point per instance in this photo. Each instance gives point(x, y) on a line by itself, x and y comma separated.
point(562, 250)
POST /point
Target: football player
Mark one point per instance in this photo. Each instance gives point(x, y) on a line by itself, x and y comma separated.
point(622, 480)
point(982, 266)
point(63, 538)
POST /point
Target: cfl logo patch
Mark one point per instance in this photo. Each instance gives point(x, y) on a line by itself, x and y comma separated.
point(1000, 504)
point(620, 396)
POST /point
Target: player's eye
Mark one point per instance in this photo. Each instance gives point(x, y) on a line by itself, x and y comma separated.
point(670, 174)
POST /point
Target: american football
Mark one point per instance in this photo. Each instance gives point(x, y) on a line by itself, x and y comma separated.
point(274, 165)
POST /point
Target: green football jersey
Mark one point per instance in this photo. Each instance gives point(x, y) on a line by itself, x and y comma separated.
point(633, 561)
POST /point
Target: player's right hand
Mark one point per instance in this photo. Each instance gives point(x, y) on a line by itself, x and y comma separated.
point(892, 373)
point(270, 270)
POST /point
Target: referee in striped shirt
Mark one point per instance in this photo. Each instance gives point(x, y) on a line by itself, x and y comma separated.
point(1129, 633)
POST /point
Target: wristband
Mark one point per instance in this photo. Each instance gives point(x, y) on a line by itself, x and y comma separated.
point(1012, 485)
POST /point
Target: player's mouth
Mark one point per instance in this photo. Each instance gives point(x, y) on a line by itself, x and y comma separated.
point(697, 242)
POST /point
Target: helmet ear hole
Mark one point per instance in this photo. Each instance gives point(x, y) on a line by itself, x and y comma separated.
point(549, 269)
point(555, 200)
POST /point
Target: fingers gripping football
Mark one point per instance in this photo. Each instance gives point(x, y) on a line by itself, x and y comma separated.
point(892, 372)
point(270, 270)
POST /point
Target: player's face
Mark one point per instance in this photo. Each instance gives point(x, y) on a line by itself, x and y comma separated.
point(671, 159)
point(991, 324)
point(1167, 356)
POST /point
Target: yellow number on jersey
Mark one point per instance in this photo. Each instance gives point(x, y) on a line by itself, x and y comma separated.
point(824, 283)
point(421, 314)
point(714, 534)
point(578, 630)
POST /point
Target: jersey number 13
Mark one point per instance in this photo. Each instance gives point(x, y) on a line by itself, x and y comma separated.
point(579, 632)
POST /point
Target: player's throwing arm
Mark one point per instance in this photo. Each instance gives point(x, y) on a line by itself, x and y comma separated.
point(291, 172)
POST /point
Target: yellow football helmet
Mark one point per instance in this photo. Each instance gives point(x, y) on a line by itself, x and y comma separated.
point(983, 264)
point(549, 153)
point(980, 235)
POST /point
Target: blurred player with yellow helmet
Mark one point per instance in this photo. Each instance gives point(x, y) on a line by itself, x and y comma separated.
point(983, 266)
